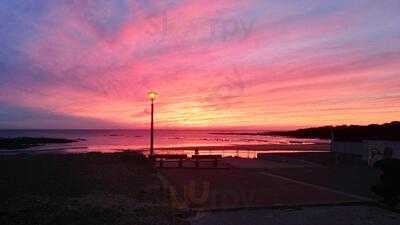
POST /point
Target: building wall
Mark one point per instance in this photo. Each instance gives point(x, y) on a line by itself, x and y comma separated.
point(381, 145)
point(364, 148)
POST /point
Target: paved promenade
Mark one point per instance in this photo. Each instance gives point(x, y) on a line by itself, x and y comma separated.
point(271, 190)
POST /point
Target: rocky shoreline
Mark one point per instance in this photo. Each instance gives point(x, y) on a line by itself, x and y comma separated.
point(28, 142)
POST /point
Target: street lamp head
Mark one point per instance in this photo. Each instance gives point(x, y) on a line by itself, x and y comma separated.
point(152, 95)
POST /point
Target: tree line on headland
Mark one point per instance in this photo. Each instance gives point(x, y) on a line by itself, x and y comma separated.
point(388, 131)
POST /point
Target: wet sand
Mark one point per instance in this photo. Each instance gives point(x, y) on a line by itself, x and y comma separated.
point(265, 147)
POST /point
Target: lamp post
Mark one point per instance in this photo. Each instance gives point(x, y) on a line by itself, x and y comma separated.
point(152, 96)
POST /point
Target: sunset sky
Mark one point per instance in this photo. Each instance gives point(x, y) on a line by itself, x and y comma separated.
point(265, 64)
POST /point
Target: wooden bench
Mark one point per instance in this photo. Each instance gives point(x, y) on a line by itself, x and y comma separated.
point(170, 158)
point(207, 158)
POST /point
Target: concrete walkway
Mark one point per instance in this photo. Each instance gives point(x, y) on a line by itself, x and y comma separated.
point(269, 192)
point(327, 215)
point(238, 188)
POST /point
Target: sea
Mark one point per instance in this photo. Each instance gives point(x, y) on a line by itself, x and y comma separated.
point(106, 141)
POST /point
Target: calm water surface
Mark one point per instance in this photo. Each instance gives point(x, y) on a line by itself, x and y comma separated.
point(121, 140)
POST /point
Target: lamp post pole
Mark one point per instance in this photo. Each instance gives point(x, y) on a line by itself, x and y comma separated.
point(152, 96)
point(152, 129)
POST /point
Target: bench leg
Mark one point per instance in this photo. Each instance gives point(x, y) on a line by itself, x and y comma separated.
point(180, 163)
point(197, 163)
point(216, 163)
point(161, 163)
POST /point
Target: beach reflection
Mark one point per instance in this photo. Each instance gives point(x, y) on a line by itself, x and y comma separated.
point(249, 154)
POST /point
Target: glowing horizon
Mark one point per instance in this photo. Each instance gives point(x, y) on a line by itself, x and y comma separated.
point(214, 64)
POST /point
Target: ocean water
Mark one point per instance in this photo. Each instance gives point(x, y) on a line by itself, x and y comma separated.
point(121, 140)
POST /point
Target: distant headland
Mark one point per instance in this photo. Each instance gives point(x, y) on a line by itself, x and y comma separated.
point(387, 131)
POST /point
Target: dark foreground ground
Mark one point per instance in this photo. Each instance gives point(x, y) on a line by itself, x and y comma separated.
point(124, 188)
point(291, 189)
point(85, 189)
